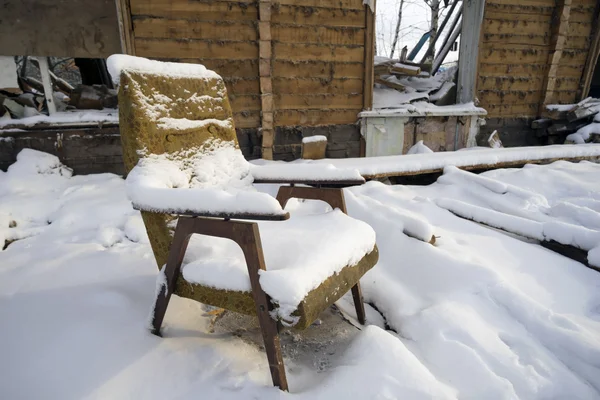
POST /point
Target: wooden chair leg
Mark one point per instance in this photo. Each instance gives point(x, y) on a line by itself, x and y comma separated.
point(251, 245)
point(331, 196)
point(359, 306)
point(183, 231)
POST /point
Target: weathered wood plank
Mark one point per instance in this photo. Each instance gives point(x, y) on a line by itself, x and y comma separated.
point(242, 86)
point(125, 27)
point(196, 10)
point(592, 58)
point(510, 27)
point(246, 119)
point(559, 30)
point(318, 34)
point(511, 110)
point(530, 3)
point(164, 28)
point(299, 15)
point(316, 117)
point(319, 101)
point(509, 82)
point(509, 53)
point(514, 17)
point(509, 96)
point(318, 69)
point(68, 28)
point(512, 69)
point(316, 86)
point(226, 67)
point(579, 29)
point(308, 52)
point(520, 9)
point(343, 4)
point(166, 48)
point(369, 56)
point(241, 103)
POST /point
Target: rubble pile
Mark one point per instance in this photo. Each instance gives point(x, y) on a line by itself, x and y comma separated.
point(570, 123)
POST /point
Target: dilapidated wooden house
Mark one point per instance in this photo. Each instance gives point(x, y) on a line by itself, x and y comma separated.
point(292, 68)
point(301, 68)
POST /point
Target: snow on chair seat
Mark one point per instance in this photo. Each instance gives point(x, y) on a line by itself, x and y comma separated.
point(300, 253)
point(186, 170)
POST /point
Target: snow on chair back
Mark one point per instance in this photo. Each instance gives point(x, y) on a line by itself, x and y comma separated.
point(169, 109)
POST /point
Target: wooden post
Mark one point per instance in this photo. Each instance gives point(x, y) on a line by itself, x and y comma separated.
point(47, 82)
point(125, 27)
point(472, 18)
point(266, 83)
point(560, 30)
point(369, 56)
point(592, 57)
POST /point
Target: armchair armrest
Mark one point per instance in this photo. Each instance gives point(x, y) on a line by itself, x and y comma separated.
point(308, 174)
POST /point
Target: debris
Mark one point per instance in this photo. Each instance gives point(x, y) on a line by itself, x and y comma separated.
point(570, 123)
point(95, 97)
point(494, 141)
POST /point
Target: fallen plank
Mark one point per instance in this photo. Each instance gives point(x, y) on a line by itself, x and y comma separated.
point(519, 226)
point(471, 160)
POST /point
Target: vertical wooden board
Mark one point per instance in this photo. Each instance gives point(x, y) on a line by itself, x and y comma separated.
point(369, 54)
point(162, 28)
point(125, 27)
point(196, 10)
point(472, 17)
point(165, 48)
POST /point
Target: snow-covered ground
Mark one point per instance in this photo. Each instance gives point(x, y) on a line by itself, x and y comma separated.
point(479, 315)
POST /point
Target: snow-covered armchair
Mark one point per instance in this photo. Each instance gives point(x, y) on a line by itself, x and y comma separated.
point(185, 171)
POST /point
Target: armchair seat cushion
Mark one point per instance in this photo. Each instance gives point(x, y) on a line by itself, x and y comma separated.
point(304, 256)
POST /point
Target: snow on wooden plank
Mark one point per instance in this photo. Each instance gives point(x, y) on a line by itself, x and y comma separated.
point(473, 159)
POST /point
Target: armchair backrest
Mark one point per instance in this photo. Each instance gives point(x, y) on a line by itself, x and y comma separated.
point(161, 112)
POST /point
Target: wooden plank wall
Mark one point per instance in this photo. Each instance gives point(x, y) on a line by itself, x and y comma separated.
point(317, 53)
point(516, 50)
point(66, 28)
